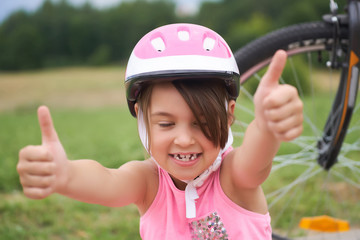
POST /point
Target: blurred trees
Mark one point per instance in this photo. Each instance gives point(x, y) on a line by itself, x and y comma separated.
point(60, 34)
point(240, 21)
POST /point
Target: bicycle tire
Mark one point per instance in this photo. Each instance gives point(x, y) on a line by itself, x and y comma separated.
point(263, 48)
point(297, 40)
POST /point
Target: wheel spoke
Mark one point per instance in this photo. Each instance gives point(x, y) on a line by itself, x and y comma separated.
point(296, 180)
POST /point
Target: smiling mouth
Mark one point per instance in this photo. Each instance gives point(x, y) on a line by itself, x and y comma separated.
point(185, 157)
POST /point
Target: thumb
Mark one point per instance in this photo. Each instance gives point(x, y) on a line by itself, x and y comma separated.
point(48, 132)
point(276, 67)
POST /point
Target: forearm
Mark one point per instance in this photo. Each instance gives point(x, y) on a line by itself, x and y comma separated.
point(88, 181)
point(253, 159)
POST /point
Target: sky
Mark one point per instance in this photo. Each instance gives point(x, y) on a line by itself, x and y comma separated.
point(9, 6)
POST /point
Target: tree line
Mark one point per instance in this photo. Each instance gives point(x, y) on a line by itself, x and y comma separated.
point(60, 34)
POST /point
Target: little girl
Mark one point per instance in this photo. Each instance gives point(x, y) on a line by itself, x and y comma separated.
point(182, 82)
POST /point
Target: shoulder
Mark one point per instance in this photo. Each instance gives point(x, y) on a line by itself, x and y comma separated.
point(140, 167)
point(147, 171)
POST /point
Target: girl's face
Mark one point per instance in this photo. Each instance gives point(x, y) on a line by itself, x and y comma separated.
point(177, 142)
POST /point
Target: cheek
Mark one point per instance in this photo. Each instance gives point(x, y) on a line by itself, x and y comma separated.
point(159, 141)
point(205, 141)
point(209, 149)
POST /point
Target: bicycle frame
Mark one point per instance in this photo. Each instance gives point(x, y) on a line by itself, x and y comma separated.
point(330, 144)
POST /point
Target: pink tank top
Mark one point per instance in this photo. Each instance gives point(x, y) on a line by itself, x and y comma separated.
point(217, 216)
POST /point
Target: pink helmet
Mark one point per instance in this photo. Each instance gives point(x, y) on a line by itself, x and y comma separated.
point(180, 51)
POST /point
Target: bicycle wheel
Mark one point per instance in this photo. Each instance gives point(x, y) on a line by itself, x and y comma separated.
point(298, 186)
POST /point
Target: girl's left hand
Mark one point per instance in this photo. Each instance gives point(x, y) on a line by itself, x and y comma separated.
point(278, 108)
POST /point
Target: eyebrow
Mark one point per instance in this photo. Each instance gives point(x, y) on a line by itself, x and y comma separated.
point(165, 114)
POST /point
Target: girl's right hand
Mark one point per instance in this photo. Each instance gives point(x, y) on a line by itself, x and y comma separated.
point(43, 169)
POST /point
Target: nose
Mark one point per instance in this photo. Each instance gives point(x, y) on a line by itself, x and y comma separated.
point(184, 137)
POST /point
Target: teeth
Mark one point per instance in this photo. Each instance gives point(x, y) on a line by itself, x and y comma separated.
point(185, 158)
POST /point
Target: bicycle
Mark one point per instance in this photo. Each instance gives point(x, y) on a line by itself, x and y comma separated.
point(323, 161)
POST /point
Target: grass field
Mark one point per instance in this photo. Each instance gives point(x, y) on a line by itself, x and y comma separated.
point(92, 120)
point(89, 110)
point(297, 186)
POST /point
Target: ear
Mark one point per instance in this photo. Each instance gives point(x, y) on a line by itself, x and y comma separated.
point(136, 107)
point(231, 110)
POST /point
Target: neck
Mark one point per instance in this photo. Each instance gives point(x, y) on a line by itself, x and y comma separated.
point(178, 183)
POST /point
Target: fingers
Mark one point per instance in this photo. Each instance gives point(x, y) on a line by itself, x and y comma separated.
point(276, 67)
point(46, 125)
point(36, 169)
point(289, 135)
point(37, 193)
point(287, 129)
point(284, 113)
point(41, 167)
point(33, 181)
point(277, 108)
point(35, 153)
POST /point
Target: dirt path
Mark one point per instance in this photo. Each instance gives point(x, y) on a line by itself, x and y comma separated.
point(63, 88)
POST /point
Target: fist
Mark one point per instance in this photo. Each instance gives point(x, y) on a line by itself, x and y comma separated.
point(42, 169)
point(278, 108)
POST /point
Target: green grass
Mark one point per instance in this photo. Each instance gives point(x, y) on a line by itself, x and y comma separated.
point(94, 124)
point(108, 135)
point(92, 121)
point(58, 217)
point(325, 194)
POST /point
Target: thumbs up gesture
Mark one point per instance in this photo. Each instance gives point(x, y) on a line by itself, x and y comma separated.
point(278, 108)
point(43, 168)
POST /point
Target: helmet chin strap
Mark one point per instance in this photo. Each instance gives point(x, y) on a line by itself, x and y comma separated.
point(190, 190)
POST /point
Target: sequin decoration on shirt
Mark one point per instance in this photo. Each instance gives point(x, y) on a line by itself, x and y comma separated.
point(210, 227)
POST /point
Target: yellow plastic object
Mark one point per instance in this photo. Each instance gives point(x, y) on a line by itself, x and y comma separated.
point(324, 224)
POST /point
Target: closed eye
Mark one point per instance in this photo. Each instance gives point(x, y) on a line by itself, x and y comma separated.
point(165, 124)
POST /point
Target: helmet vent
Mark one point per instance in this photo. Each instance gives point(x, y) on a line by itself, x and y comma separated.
point(184, 35)
point(158, 44)
point(209, 44)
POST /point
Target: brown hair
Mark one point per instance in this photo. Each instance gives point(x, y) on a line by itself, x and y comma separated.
point(207, 102)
